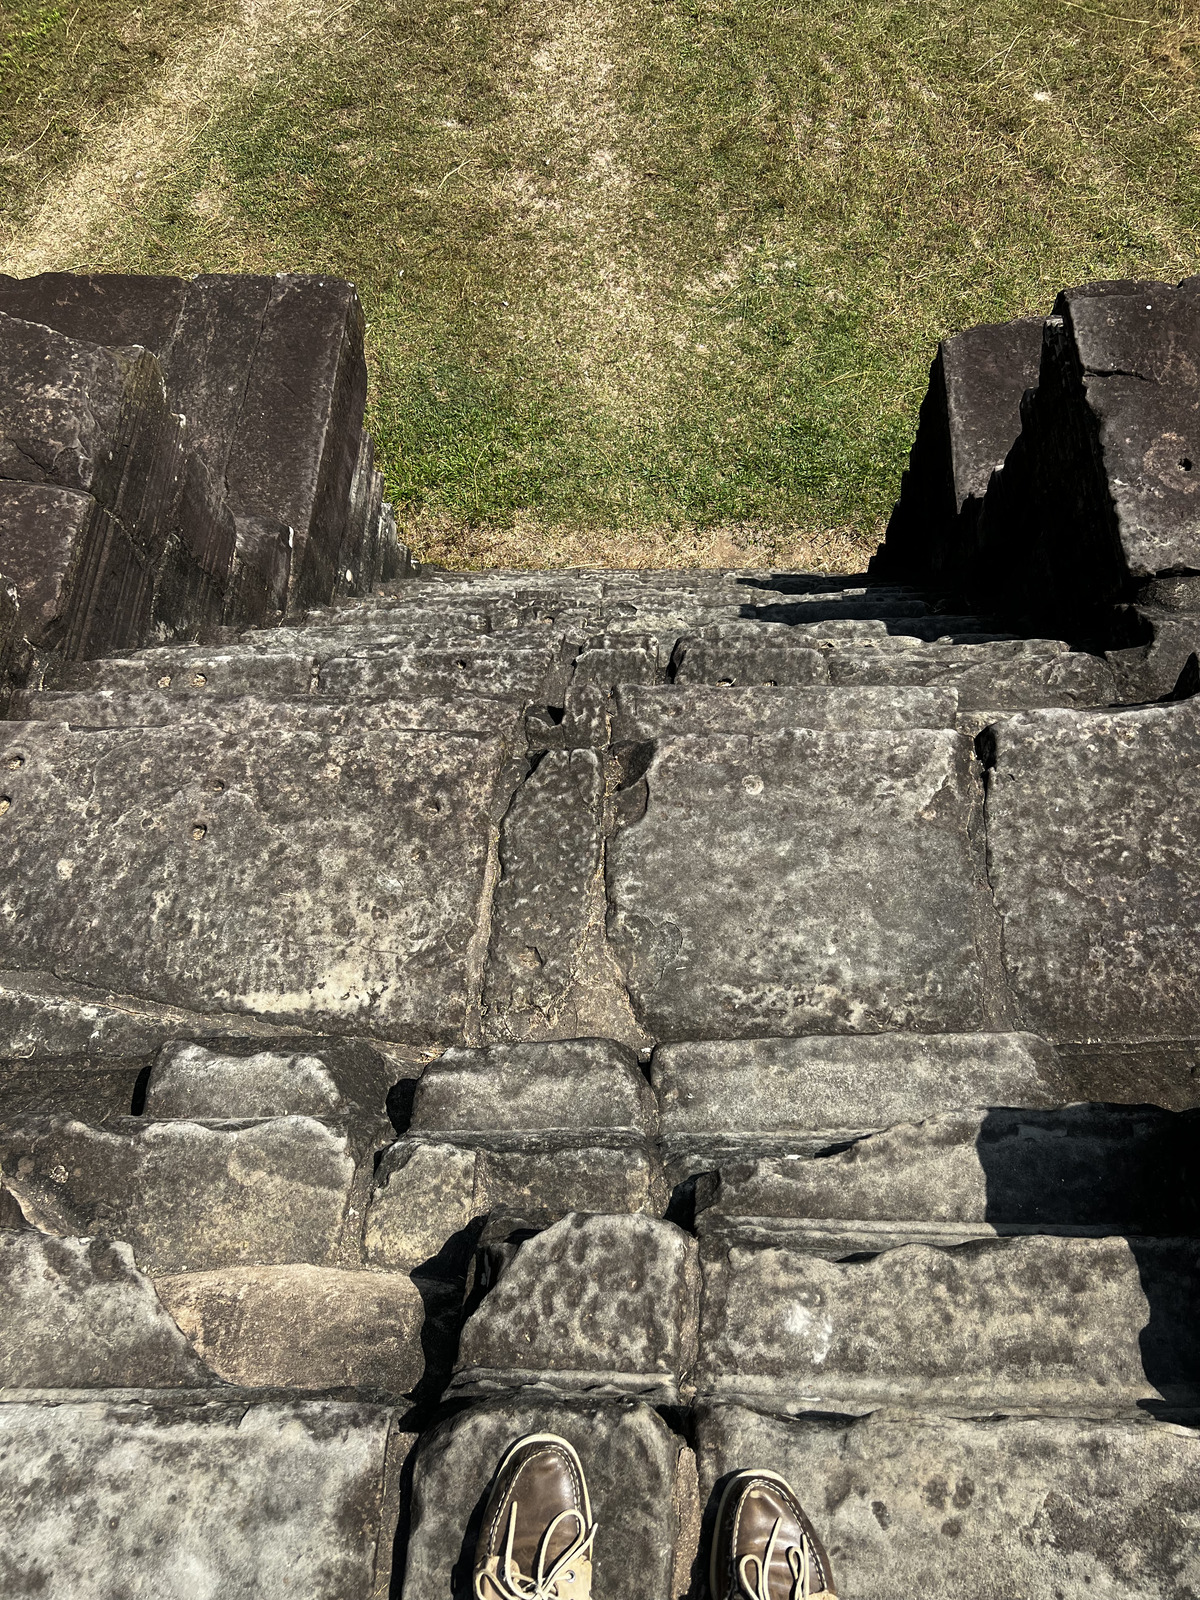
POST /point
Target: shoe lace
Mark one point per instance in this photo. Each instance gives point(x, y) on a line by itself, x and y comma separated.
point(754, 1571)
point(510, 1583)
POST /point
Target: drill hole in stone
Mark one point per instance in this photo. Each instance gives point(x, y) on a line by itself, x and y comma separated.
point(199, 831)
point(15, 763)
point(198, 680)
point(5, 803)
point(1186, 463)
point(164, 682)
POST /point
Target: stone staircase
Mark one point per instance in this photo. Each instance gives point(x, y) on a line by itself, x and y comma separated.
point(725, 1018)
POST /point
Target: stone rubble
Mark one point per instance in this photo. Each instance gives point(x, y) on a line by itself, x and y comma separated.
point(725, 1018)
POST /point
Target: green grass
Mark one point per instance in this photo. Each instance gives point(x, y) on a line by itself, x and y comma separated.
point(661, 280)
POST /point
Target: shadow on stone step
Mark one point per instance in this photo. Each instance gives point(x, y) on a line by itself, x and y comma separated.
point(1072, 1170)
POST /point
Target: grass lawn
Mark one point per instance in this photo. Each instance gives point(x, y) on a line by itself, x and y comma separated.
point(652, 281)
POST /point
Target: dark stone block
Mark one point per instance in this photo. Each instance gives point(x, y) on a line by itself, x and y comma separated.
point(98, 307)
point(969, 419)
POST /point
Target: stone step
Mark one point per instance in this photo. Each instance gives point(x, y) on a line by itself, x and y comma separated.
point(593, 1304)
point(1005, 1324)
point(244, 1496)
point(644, 712)
point(637, 1476)
point(1121, 1169)
point(728, 1096)
point(254, 713)
point(311, 880)
point(867, 913)
point(948, 1508)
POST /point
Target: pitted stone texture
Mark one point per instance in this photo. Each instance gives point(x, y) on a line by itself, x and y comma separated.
point(254, 714)
point(79, 1315)
point(781, 1087)
point(311, 881)
point(749, 655)
point(1123, 1169)
point(302, 1327)
point(508, 674)
point(652, 713)
point(949, 1508)
point(550, 853)
point(211, 673)
point(112, 1499)
point(570, 1084)
point(1092, 824)
point(1020, 1323)
point(189, 1081)
point(998, 676)
point(630, 1459)
point(182, 1195)
point(428, 1195)
point(594, 1303)
point(848, 872)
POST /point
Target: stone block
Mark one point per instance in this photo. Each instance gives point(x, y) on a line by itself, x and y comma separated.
point(749, 656)
point(232, 671)
point(551, 848)
point(46, 537)
point(1100, 490)
point(430, 1198)
point(839, 1084)
point(102, 1498)
point(306, 879)
point(864, 913)
point(185, 1197)
point(1092, 822)
point(643, 713)
point(948, 1507)
point(573, 1085)
point(190, 1081)
point(994, 1324)
point(302, 1327)
point(300, 424)
point(79, 1315)
point(1114, 1168)
point(632, 1464)
point(993, 677)
point(598, 1304)
point(521, 674)
point(969, 418)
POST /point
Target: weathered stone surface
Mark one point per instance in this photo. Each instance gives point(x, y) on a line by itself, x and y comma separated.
point(969, 419)
point(79, 1315)
point(868, 915)
point(1126, 1169)
point(46, 533)
point(998, 676)
point(651, 713)
point(594, 1303)
point(550, 853)
point(630, 1458)
point(575, 1084)
point(235, 671)
point(429, 1197)
point(844, 1084)
point(185, 1196)
point(993, 1324)
point(520, 674)
point(754, 655)
point(189, 1081)
point(302, 1327)
point(106, 1499)
point(1092, 823)
point(948, 1508)
point(308, 880)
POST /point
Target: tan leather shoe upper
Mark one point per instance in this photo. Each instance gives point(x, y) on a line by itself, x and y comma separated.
point(536, 1539)
point(764, 1547)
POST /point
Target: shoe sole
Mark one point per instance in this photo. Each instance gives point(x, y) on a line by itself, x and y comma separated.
point(563, 1444)
point(734, 1486)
